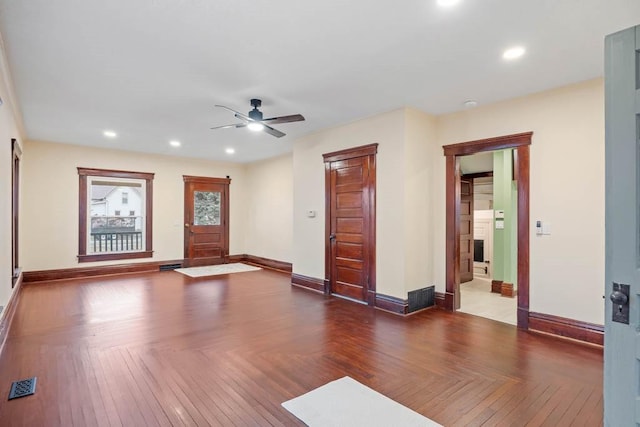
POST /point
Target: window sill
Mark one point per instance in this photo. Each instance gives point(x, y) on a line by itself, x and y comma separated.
point(114, 256)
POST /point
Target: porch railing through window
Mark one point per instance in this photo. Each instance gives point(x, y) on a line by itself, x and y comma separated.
point(115, 234)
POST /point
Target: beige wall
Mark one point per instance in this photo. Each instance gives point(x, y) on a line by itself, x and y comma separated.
point(418, 210)
point(49, 222)
point(269, 204)
point(567, 189)
point(9, 128)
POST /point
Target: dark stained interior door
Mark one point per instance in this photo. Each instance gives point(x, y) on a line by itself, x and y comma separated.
point(206, 215)
point(466, 230)
point(351, 240)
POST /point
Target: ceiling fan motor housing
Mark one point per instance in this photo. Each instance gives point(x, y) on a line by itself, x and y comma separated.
point(255, 115)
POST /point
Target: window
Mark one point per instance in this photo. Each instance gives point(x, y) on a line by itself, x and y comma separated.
point(103, 233)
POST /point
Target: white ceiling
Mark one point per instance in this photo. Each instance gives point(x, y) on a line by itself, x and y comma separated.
point(152, 70)
point(475, 163)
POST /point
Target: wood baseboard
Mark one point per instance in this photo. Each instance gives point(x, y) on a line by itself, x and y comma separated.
point(392, 304)
point(271, 264)
point(100, 270)
point(569, 328)
point(307, 282)
point(496, 286)
point(8, 313)
point(139, 267)
point(506, 290)
point(237, 258)
point(440, 299)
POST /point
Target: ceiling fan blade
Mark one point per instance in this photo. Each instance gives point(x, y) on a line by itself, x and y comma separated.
point(235, 125)
point(274, 132)
point(238, 114)
point(284, 119)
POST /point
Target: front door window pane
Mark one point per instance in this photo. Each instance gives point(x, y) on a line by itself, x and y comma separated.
point(206, 207)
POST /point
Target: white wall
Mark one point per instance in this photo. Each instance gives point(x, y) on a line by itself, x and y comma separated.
point(269, 226)
point(49, 237)
point(308, 194)
point(10, 127)
point(567, 189)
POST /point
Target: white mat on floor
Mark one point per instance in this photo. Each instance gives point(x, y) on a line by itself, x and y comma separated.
point(346, 402)
point(214, 270)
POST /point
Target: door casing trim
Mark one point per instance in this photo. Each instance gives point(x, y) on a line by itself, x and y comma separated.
point(189, 179)
point(369, 150)
point(520, 143)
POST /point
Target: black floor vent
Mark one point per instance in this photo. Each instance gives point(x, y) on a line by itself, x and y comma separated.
point(421, 298)
point(22, 388)
point(167, 267)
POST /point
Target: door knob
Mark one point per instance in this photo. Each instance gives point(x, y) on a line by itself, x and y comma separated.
point(618, 298)
point(186, 225)
point(332, 236)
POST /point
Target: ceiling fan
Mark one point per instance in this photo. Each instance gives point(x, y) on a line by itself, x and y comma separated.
point(255, 122)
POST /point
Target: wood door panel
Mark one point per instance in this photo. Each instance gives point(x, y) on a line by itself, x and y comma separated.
point(349, 263)
point(350, 213)
point(349, 200)
point(348, 275)
point(206, 216)
point(466, 230)
point(349, 250)
point(207, 238)
point(207, 252)
point(349, 238)
point(465, 208)
point(350, 225)
point(348, 290)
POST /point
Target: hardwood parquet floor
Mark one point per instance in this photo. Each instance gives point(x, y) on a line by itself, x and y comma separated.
point(165, 349)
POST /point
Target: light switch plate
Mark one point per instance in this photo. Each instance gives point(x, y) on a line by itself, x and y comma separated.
point(546, 228)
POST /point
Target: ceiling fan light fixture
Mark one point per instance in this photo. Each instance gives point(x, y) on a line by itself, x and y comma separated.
point(255, 126)
point(513, 53)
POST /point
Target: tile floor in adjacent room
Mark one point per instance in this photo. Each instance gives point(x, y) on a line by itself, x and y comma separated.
point(476, 298)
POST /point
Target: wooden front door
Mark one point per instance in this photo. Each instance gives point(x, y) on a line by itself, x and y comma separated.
point(622, 222)
point(206, 220)
point(350, 231)
point(466, 230)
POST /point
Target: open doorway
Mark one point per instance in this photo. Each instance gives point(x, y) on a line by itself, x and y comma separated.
point(453, 153)
point(488, 214)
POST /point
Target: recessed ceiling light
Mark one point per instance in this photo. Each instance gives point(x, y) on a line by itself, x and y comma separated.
point(109, 134)
point(448, 3)
point(255, 126)
point(229, 150)
point(175, 143)
point(470, 103)
point(513, 53)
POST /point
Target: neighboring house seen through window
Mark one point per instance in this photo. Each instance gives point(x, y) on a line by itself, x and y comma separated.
point(104, 233)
